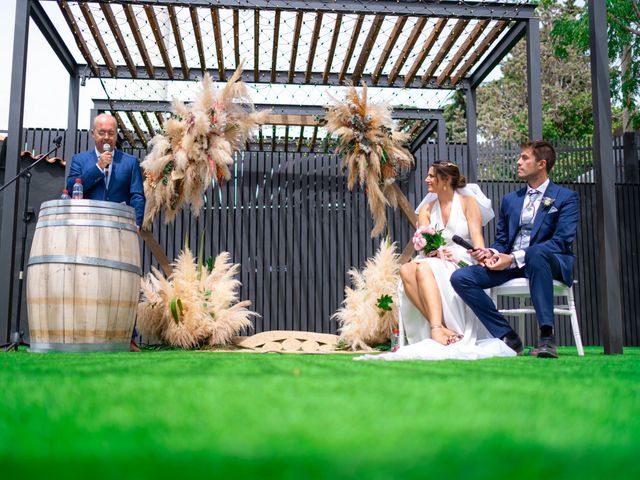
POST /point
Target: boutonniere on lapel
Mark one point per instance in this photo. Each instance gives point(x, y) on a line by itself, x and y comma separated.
point(548, 201)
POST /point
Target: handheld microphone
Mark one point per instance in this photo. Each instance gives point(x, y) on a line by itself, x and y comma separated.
point(106, 148)
point(462, 242)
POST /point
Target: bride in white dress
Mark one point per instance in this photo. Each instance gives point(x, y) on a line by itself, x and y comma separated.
point(437, 323)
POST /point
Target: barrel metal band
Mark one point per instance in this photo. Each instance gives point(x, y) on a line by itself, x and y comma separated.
point(118, 212)
point(87, 203)
point(87, 223)
point(44, 347)
point(91, 261)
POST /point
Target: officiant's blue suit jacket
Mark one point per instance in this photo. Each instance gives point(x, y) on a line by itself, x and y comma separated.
point(125, 184)
point(554, 226)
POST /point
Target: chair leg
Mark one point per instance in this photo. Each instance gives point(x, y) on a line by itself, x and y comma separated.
point(574, 322)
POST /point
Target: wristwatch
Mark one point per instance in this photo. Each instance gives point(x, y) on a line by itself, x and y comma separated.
point(514, 264)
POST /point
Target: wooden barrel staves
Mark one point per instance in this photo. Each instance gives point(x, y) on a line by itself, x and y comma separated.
point(83, 277)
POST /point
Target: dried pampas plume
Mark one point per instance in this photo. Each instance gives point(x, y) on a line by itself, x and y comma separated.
point(362, 320)
point(197, 146)
point(197, 306)
point(371, 148)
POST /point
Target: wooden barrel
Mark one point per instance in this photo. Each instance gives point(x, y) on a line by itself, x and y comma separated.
point(83, 277)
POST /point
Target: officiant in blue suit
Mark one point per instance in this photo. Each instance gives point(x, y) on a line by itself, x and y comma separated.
point(106, 173)
point(534, 238)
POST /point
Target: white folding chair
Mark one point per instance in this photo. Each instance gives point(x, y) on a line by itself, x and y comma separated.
point(519, 288)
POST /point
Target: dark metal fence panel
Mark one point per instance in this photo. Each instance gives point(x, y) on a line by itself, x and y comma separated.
point(291, 223)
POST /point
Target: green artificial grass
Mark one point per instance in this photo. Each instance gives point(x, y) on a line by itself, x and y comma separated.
point(171, 414)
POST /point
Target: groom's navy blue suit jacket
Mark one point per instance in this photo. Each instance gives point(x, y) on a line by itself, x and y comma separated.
point(554, 226)
point(125, 184)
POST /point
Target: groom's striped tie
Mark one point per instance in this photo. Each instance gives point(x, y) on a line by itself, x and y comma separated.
point(526, 220)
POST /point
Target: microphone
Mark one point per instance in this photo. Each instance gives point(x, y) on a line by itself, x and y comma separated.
point(58, 140)
point(462, 242)
point(106, 148)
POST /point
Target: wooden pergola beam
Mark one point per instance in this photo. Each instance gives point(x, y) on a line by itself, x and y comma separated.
point(352, 46)
point(236, 36)
point(425, 50)
point(97, 36)
point(462, 50)
point(137, 129)
point(294, 46)
point(149, 125)
point(196, 32)
point(274, 50)
point(332, 48)
point(312, 48)
point(256, 45)
point(404, 54)
point(479, 51)
point(444, 49)
point(135, 31)
point(77, 35)
point(157, 34)
point(367, 48)
point(117, 33)
point(386, 51)
point(217, 37)
point(173, 18)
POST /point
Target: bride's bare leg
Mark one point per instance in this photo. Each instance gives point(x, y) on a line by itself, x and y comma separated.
point(429, 294)
point(410, 282)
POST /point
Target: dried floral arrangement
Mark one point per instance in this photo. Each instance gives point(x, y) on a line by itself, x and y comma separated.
point(197, 146)
point(196, 306)
point(371, 148)
point(370, 311)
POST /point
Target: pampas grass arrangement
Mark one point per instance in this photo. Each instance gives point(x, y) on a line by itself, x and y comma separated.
point(195, 307)
point(371, 148)
point(197, 146)
point(370, 311)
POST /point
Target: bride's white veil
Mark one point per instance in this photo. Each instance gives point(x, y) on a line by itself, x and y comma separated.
point(471, 190)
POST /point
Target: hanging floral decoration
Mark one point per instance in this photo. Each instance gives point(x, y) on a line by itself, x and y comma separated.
point(196, 147)
point(370, 309)
point(371, 148)
point(196, 306)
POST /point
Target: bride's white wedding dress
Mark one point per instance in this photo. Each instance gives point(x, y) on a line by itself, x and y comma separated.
point(477, 342)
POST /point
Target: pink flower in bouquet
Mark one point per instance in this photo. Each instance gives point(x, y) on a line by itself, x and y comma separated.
point(419, 242)
point(429, 230)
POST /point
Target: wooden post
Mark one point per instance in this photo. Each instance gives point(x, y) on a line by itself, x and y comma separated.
point(157, 251)
point(412, 218)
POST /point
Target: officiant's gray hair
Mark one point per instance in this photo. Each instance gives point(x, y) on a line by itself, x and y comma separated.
point(542, 151)
point(445, 169)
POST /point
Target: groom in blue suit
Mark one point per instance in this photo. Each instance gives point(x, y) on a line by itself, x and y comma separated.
point(534, 237)
point(106, 173)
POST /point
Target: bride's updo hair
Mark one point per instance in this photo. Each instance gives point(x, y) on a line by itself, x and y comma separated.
point(449, 170)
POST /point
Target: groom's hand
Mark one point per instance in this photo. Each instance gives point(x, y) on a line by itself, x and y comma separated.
point(499, 261)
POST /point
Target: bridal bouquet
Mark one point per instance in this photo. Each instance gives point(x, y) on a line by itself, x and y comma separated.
point(427, 239)
point(431, 243)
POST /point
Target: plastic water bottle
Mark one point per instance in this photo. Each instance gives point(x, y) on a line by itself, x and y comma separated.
point(395, 340)
point(77, 190)
point(65, 195)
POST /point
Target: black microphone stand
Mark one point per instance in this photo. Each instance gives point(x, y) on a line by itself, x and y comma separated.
point(17, 337)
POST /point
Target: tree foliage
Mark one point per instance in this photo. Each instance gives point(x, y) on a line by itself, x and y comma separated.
point(571, 32)
point(566, 89)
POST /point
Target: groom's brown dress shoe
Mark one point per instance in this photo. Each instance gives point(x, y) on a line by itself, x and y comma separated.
point(514, 344)
point(546, 348)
